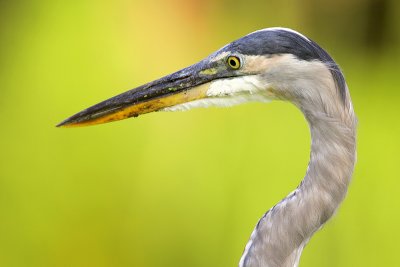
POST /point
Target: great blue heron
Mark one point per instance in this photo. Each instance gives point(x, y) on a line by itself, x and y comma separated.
point(270, 64)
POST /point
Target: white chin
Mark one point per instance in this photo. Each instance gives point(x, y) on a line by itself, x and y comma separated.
point(228, 92)
point(217, 102)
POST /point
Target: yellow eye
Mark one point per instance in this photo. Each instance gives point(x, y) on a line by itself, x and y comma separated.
point(234, 62)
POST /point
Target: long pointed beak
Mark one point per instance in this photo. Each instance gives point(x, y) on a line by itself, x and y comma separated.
point(183, 86)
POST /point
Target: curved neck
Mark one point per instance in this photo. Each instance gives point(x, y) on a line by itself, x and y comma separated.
point(279, 237)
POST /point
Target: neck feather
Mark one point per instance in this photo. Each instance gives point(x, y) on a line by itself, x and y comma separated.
point(279, 237)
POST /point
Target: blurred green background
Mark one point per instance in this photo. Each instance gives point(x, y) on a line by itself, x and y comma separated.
point(181, 189)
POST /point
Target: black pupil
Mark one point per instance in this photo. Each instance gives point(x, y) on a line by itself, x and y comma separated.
point(232, 62)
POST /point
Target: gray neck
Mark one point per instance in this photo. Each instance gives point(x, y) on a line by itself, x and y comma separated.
point(279, 237)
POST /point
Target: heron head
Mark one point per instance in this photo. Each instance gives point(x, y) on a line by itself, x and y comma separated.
point(274, 63)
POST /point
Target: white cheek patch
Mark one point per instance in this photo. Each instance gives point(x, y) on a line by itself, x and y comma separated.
point(228, 92)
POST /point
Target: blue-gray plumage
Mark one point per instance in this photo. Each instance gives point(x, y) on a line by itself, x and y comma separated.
point(270, 64)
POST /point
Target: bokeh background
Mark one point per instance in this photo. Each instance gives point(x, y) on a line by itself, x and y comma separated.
point(181, 189)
